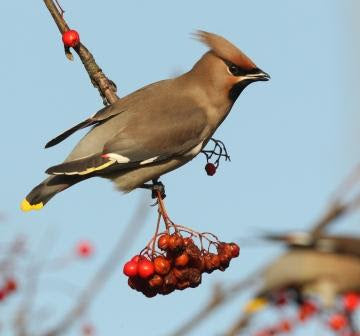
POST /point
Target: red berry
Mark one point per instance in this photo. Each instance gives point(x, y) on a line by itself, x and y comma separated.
point(306, 310)
point(163, 242)
point(131, 268)
point(284, 326)
point(88, 330)
point(182, 260)
point(210, 169)
point(84, 249)
point(175, 242)
point(235, 250)
point(338, 321)
point(11, 285)
point(156, 281)
point(136, 258)
point(145, 268)
point(351, 301)
point(162, 265)
point(71, 38)
point(2, 294)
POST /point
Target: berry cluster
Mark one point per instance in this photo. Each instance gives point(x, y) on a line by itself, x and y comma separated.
point(178, 265)
point(337, 319)
point(9, 287)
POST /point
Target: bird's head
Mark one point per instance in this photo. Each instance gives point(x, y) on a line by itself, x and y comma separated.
point(225, 67)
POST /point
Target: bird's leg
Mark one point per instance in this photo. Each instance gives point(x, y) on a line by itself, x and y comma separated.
point(154, 187)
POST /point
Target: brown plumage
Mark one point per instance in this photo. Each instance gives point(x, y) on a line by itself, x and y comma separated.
point(225, 50)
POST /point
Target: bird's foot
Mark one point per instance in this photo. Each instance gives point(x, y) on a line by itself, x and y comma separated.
point(155, 187)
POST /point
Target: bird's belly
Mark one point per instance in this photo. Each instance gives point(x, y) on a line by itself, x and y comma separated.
point(130, 179)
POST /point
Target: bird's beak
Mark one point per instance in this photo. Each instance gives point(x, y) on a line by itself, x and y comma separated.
point(258, 76)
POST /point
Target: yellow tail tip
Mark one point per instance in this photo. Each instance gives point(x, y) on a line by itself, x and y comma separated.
point(255, 305)
point(26, 206)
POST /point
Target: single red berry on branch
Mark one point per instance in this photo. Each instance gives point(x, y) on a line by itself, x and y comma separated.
point(210, 169)
point(131, 268)
point(71, 38)
point(84, 249)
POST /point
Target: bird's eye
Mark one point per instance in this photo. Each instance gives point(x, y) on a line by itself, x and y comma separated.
point(234, 69)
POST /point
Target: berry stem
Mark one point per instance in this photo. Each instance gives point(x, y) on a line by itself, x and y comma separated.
point(155, 235)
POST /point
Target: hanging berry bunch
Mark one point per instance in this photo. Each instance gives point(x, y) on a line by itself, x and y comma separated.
point(176, 258)
point(214, 155)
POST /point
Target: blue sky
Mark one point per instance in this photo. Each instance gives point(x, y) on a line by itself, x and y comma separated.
point(291, 139)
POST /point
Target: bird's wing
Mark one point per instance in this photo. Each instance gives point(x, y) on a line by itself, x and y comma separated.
point(152, 138)
point(102, 115)
point(105, 113)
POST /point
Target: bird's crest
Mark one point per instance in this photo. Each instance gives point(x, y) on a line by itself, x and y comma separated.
point(225, 49)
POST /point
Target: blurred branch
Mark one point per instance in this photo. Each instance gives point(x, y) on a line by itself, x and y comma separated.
point(240, 324)
point(102, 275)
point(22, 316)
point(339, 206)
point(106, 87)
point(219, 297)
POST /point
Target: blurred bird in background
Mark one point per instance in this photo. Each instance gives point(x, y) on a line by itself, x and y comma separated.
point(155, 129)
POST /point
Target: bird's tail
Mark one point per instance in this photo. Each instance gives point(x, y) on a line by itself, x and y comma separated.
point(43, 192)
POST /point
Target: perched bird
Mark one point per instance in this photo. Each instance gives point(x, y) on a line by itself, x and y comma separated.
point(155, 129)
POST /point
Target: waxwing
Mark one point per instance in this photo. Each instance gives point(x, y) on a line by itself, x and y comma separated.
point(326, 266)
point(155, 129)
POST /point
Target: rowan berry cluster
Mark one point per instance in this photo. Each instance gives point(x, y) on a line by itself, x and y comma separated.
point(339, 319)
point(8, 287)
point(179, 263)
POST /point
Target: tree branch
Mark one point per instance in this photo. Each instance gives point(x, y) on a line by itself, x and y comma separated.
point(105, 86)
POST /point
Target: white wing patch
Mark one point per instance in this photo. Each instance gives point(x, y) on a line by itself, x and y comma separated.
point(149, 160)
point(117, 157)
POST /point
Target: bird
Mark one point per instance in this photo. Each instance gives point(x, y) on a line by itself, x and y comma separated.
point(155, 129)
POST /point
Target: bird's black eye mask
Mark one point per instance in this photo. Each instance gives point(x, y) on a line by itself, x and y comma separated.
point(237, 71)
